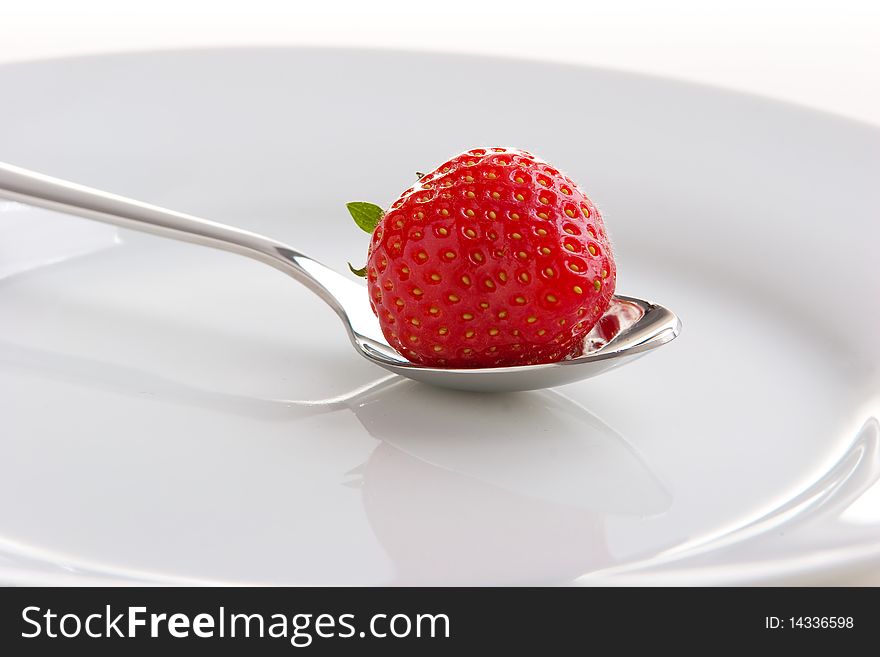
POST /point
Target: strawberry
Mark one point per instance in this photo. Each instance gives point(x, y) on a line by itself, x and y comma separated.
point(493, 259)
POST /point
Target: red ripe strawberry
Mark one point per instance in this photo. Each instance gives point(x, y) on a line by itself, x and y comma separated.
point(493, 259)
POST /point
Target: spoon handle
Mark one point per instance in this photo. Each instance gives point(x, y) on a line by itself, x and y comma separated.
point(339, 292)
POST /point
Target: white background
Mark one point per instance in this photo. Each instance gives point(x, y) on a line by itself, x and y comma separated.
point(821, 53)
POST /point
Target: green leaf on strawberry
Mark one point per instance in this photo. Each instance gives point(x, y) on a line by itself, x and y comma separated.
point(366, 216)
point(362, 272)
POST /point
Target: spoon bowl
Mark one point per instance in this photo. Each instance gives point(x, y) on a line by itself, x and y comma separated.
point(630, 328)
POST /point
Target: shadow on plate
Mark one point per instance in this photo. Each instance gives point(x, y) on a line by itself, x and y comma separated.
point(462, 487)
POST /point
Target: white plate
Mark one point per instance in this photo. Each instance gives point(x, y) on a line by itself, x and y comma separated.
point(174, 414)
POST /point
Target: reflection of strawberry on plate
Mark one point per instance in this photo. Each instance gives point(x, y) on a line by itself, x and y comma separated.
point(420, 514)
point(475, 500)
point(493, 259)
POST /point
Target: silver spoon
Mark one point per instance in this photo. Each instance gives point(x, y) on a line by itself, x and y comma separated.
point(629, 329)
